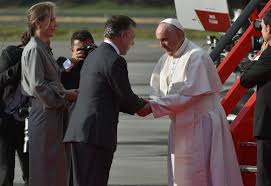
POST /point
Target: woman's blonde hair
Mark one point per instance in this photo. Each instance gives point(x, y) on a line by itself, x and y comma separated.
point(37, 12)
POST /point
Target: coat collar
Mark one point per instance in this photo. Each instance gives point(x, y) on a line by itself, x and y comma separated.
point(113, 45)
point(45, 46)
point(182, 49)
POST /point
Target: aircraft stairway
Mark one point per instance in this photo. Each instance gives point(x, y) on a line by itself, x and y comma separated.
point(242, 125)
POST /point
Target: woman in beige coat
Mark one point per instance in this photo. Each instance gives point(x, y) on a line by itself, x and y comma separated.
point(41, 82)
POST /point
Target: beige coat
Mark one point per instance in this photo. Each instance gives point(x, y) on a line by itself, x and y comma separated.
point(41, 82)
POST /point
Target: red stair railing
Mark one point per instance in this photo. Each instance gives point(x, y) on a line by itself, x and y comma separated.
point(241, 127)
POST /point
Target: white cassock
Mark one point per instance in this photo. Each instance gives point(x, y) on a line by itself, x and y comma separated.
point(201, 151)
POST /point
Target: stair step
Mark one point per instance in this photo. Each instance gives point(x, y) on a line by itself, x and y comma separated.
point(248, 168)
point(248, 144)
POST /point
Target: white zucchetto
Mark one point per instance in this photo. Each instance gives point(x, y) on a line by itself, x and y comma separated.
point(173, 22)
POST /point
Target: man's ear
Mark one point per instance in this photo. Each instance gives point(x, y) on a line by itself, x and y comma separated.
point(124, 34)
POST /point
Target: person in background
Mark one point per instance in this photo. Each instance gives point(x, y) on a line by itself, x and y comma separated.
point(258, 73)
point(185, 86)
point(12, 123)
point(82, 43)
point(104, 91)
point(41, 83)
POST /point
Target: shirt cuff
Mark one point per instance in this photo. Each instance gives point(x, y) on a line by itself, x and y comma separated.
point(68, 64)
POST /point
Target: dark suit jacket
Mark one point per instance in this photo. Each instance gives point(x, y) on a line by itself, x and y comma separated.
point(104, 91)
point(258, 74)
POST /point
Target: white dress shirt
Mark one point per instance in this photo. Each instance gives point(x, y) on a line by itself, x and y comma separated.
point(113, 45)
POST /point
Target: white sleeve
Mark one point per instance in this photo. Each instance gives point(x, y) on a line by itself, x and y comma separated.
point(67, 64)
point(169, 104)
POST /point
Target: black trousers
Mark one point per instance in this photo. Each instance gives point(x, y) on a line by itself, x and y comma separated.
point(11, 141)
point(91, 164)
point(263, 162)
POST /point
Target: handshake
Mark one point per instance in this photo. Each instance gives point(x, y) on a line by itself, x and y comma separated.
point(146, 110)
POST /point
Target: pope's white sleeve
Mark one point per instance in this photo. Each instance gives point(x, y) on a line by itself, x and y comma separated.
point(170, 104)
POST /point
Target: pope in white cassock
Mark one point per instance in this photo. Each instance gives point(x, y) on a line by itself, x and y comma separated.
point(185, 86)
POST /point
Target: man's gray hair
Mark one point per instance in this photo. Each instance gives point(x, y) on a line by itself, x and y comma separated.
point(117, 24)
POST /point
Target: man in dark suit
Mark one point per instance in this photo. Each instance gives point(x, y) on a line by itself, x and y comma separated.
point(104, 91)
point(258, 73)
point(82, 43)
